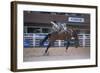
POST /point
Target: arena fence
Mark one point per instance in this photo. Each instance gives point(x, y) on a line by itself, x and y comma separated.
point(33, 40)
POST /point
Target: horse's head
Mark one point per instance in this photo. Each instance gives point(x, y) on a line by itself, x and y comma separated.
point(71, 33)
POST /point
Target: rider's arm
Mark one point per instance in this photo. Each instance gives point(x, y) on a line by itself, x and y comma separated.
point(55, 25)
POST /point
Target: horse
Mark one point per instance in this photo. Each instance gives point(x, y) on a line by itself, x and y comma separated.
point(64, 35)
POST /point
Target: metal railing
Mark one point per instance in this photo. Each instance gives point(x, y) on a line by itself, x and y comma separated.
point(84, 40)
point(33, 40)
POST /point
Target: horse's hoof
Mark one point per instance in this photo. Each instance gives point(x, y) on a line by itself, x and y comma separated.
point(46, 54)
point(76, 47)
point(66, 50)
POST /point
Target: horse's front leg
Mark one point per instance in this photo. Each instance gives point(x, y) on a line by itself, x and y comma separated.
point(76, 43)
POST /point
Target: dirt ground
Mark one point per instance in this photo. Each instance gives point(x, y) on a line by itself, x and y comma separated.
point(55, 53)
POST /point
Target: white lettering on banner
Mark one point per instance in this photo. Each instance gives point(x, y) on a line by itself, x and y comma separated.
point(75, 19)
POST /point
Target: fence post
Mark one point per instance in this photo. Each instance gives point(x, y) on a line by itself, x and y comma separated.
point(34, 39)
point(59, 43)
point(84, 40)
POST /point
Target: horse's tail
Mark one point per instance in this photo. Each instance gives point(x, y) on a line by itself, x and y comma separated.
point(46, 37)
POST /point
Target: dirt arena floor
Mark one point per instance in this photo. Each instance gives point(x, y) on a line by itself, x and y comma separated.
point(55, 53)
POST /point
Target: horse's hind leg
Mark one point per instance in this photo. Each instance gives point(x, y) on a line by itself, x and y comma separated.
point(50, 43)
point(47, 48)
point(67, 44)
